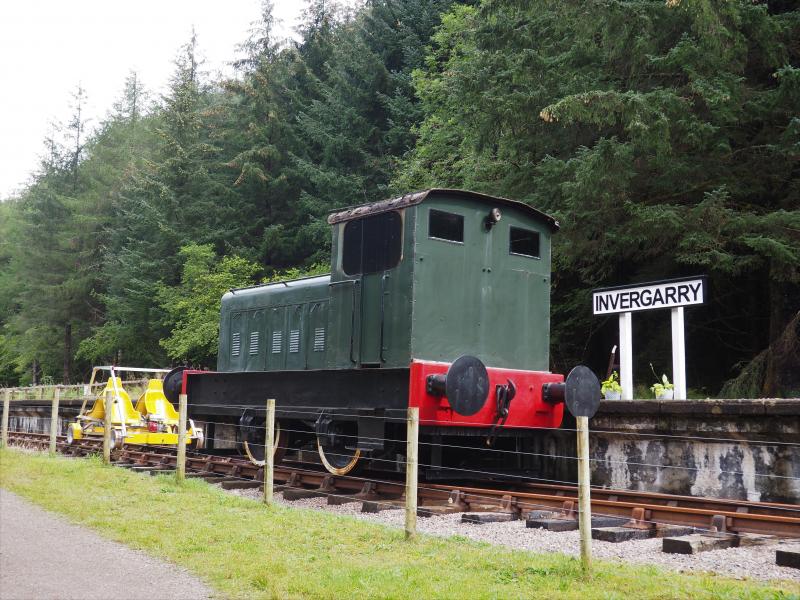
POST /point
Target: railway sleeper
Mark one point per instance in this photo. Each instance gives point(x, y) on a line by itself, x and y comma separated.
point(478, 518)
point(703, 542)
point(542, 519)
point(295, 491)
point(639, 527)
point(788, 556)
point(716, 538)
point(241, 485)
point(367, 493)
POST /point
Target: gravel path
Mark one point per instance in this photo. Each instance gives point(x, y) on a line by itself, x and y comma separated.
point(754, 562)
point(42, 557)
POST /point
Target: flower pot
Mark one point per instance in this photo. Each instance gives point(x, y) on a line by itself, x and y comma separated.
point(665, 395)
point(612, 395)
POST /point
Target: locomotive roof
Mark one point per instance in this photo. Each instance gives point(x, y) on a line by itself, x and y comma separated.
point(300, 282)
point(414, 198)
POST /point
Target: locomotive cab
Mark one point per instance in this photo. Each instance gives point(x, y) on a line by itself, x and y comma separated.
point(438, 274)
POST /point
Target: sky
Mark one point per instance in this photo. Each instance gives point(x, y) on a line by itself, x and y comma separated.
point(48, 47)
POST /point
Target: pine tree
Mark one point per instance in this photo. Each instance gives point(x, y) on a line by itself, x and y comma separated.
point(163, 201)
point(52, 241)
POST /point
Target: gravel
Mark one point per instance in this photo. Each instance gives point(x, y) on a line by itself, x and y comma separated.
point(753, 562)
point(43, 556)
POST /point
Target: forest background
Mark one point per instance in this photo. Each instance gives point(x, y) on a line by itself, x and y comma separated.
point(664, 136)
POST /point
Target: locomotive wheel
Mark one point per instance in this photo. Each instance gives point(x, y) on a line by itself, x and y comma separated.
point(256, 452)
point(338, 459)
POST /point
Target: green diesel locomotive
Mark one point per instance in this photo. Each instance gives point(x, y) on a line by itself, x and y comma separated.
point(438, 299)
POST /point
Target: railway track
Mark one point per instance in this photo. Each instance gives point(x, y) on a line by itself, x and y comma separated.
point(656, 514)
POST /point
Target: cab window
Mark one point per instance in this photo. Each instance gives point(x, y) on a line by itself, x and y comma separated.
point(372, 244)
point(445, 226)
point(524, 242)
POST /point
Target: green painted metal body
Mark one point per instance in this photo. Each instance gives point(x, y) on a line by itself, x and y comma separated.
point(477, 298)
point(273, 327)
point(443, 298)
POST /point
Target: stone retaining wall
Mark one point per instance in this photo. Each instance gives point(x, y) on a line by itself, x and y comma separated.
point(745, 449)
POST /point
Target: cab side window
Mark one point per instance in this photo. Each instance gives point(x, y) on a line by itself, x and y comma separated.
point(372, 244)
point(524, 242)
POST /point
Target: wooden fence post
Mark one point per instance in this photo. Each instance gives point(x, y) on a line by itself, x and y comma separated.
point(180, 470)
point(269, 452)
point(412, 437)
point(584, 498)
point(109, 404)
point(54, 420)
point(6, 409)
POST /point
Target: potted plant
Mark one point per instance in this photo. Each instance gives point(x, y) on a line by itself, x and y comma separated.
point(663, 389)
point(611, 388)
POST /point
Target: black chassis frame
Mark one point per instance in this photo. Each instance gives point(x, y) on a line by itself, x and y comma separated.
point(371, 397)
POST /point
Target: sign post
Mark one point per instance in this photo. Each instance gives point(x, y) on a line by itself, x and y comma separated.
point(584, 492)
point(581, 394)
point(624, 300)
point(678, 353)
point(626, 354)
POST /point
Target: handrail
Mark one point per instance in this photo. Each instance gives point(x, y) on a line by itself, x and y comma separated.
point(74, 391)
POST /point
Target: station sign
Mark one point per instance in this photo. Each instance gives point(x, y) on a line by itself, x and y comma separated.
point(624, 300)
point(671, 293)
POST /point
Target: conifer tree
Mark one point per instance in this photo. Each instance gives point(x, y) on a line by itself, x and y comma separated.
point(656, 132)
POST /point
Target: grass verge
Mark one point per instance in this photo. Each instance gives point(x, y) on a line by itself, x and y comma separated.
point(246, 550)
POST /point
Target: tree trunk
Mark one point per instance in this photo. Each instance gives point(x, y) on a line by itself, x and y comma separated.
point(782, 327)
point(67, 353)
point(35, 372)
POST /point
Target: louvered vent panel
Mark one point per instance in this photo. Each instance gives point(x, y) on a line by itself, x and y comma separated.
point(236, 344)
point(254, 342)
point(294, 340)
point(319, 339)
point(277, 342)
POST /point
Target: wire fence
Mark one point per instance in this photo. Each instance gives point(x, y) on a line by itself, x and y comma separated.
point(396, 501)
point(299, 440)
point(41, 424)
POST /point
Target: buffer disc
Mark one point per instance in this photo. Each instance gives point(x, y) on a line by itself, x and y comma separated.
point(467, 385)
point(582, 393)
point(173, 383)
